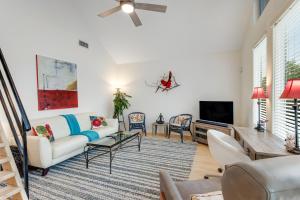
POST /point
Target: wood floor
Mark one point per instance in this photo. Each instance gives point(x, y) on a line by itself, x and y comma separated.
point(203, 163)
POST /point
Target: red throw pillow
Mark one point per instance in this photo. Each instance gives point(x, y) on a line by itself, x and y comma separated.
point(97, 122)
point(43, 131)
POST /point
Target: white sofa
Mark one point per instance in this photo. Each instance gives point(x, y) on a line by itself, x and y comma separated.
point(44, 154)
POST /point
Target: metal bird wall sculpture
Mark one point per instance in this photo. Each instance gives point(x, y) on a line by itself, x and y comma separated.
point(165, 84)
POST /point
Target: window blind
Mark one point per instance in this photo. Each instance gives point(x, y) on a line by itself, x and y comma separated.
point(286, 66)
point(260, 77)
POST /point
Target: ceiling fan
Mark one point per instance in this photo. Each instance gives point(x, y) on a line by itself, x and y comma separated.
point(129, 7)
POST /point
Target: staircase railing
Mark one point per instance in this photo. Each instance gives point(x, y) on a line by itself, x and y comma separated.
point(16, 115)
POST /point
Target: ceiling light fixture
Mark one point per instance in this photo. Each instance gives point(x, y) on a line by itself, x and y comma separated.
point(127, 7)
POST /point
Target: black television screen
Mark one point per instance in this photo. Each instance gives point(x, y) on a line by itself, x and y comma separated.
point(217, 111)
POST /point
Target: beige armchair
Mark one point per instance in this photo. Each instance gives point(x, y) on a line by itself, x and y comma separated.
point(268, 179)
point(225, 149)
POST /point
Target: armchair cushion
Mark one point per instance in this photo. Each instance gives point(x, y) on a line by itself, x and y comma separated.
point(175, 124)
point(136, 118)
point(183, 120)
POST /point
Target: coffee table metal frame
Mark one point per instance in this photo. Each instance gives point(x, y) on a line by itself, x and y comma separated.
point(111, 149)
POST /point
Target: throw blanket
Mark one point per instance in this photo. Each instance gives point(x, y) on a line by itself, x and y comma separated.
point(73, 124)
point(91, 135)
point(75, 128)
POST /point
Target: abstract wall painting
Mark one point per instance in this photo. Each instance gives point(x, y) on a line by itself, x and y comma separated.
point(166, 83)
point(57, 84)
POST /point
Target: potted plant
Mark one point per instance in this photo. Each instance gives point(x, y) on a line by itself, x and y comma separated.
point(121, 103)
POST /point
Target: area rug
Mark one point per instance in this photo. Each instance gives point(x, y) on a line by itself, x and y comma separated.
point(135, 175)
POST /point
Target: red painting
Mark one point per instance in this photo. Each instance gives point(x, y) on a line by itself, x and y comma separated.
point(57, 84)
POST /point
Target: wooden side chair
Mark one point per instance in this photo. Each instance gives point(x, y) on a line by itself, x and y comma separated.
point(180, 124)
point(137, 121)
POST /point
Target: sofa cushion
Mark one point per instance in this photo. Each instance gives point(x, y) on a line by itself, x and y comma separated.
point(58, 124)
point(66, 145)
point(105, 131)
point(84, 121)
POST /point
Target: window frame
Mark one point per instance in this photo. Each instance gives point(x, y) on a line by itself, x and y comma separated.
point(262, 4)
point(263, 111)
point(282, 131)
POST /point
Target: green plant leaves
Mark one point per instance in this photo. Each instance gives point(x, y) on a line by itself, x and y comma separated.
point(121, 103)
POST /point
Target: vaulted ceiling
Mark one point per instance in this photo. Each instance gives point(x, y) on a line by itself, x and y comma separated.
point(189, 28)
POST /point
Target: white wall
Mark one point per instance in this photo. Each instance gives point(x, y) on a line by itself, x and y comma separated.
point(207, 77)
point(256, 31)
point(188, 28)
point(53, 28)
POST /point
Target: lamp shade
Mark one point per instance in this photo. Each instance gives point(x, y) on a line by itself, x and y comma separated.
point(292, 89)
point(258, 93)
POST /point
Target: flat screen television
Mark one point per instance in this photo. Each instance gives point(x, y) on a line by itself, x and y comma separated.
point(216, 111)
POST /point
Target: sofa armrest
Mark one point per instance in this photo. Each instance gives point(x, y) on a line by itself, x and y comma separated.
point(112, 123)
point(39, 151)
point(168, 187)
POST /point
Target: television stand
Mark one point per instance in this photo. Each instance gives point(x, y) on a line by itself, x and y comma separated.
point(212, 123)
point(200, 131)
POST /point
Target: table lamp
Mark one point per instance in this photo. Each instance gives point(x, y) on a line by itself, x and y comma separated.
point(292, 91)
point(259, 93)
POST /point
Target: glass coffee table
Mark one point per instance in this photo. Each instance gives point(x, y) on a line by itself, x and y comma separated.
point(111, 145)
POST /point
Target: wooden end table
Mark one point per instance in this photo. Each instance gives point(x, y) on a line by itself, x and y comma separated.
point(164, 125)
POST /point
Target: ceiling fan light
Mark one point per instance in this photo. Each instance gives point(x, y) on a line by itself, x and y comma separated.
point(127, 8)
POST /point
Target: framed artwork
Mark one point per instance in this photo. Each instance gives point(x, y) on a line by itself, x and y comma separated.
point(57, 84)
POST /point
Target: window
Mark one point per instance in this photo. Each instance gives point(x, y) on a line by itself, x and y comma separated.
point(260, 77)
point(286, 66)
point(262, 4)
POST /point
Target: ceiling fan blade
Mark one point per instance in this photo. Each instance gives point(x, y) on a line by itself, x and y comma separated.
point(110, 11)
point(151, 7)
point(135, 18)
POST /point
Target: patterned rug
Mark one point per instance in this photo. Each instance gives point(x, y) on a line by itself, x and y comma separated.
point(135, 175)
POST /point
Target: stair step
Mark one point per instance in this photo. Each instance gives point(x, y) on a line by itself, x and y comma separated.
point(3, 160)
point(4, 175)
point(2, 145)
point(8, 192)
